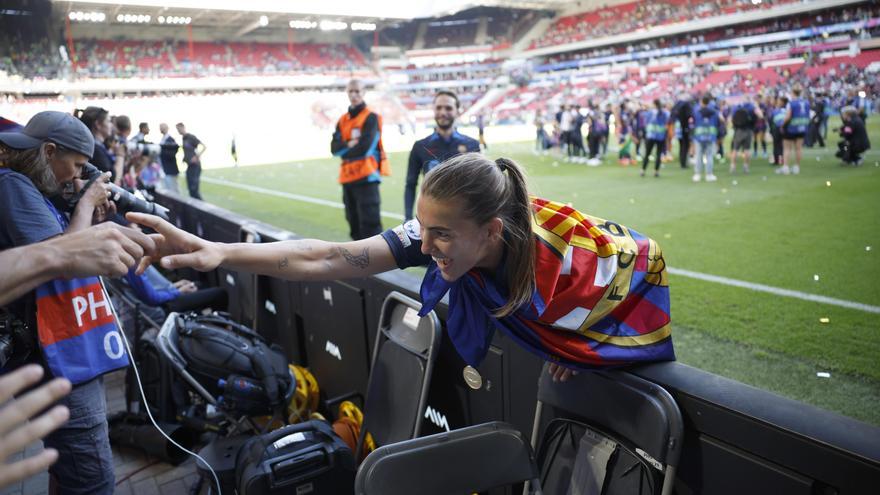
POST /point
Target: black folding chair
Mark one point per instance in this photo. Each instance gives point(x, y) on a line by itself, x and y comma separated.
point(403, 359)
point(615, 408)
point(472, 459)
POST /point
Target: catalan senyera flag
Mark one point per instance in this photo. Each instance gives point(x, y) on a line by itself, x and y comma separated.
point(7, 125)
point(601, 297)
point(77, 330)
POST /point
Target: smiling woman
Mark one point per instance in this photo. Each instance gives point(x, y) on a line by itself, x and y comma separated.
point(579, 291)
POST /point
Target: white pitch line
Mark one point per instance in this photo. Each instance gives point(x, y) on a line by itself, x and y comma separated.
point(287, 195)
point(674, 271)
point(774, 290)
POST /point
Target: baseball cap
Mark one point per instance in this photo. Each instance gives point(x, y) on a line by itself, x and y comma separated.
point(60, 128)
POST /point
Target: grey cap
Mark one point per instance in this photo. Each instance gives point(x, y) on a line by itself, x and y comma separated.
point(60, 128)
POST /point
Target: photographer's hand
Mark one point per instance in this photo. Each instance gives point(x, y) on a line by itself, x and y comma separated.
point(176, 248)
point(16, 427)
point(94, 204)
point(103, 250)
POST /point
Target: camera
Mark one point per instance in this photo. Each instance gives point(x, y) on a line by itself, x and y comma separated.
point(138, 202)
point(16, 341)
point(151, 150)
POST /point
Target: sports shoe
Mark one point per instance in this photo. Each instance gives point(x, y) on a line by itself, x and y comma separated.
point(642, 173)
point(783, 170)
point(795, 169)
point(745, 168)
point(696, 178)
point(711, 178)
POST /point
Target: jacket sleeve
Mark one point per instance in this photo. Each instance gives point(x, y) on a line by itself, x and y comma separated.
point(148, 294)
point(412, 180)
point(337, 146)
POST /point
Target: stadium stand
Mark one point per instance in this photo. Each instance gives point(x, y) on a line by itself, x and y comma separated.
point(634, 16)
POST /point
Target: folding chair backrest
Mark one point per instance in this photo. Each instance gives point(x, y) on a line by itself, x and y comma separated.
point(403, 358)
point(465, 461)
point(628, 408)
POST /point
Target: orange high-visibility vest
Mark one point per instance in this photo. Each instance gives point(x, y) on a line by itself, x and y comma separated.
point(357, 168)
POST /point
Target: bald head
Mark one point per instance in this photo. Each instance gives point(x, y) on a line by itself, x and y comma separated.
point(355, 92)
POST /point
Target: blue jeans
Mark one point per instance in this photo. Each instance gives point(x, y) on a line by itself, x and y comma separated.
point(705, 155)
point(85, 461)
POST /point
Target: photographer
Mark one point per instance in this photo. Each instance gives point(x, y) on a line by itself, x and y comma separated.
point(854, 137)
point(106, 159)
point(43, 159)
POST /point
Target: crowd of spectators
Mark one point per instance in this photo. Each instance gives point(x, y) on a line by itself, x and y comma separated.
point(635, 16)
point(151, 59)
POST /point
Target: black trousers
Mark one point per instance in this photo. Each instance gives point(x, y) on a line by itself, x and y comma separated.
point(649, 145)
point(777, 147)
point(684, 145)
point(193, 175)
point(594, 142)
point(361, 200)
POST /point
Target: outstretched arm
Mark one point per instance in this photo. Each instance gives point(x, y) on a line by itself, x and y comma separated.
point(105, 249)
point(306, 259)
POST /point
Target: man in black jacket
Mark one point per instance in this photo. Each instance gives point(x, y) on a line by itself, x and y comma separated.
point(854, 137)
point(168, 158)
point(683, 112)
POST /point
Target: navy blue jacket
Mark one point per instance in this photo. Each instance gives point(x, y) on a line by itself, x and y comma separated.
point(428, 153)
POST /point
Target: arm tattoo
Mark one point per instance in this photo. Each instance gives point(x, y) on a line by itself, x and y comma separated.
point(359, 260)
point(283, 263)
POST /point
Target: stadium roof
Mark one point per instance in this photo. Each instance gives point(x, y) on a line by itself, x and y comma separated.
point(395, 9)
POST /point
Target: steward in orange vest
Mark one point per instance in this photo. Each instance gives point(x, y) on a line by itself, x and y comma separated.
point(367, 157)
point(358, 141)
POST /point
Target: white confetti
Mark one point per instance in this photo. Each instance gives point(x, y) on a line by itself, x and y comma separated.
point(867, 248)
point(816, 278)
point(723, 190)
point(727, 202)
point(735, 183)
point(828, 183)
point(823, 374)
point(825, 320)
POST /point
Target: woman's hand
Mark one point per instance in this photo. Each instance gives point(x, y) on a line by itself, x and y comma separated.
point(177, 248)
point(560, 373)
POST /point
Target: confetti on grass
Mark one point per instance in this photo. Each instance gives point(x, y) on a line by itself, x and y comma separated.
point(823, 374)
point(824, 320)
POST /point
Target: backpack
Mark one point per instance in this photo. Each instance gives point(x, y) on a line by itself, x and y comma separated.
point(743, 118)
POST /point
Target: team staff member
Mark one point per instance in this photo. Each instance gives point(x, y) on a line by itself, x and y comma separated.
point(577, 290)
point(443, 144)
point(192, 156)
point(358, 141)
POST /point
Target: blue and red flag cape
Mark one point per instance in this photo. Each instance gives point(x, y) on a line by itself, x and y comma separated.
point(601, 296)
point(7, 125)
